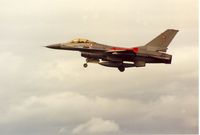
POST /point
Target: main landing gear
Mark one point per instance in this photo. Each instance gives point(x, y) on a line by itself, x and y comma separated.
point(121, 68)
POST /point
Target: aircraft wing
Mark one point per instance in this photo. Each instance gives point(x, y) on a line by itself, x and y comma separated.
point(90, 50)
point(120, 52)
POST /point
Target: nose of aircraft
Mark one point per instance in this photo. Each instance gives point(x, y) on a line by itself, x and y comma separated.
point(54, 46)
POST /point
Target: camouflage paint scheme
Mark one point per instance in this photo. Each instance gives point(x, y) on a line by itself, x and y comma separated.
point(120, 57)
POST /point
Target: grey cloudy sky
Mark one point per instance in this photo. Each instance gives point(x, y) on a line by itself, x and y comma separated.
point(47, 92)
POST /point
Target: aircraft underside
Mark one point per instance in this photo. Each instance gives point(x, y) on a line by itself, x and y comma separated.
point(121, 63)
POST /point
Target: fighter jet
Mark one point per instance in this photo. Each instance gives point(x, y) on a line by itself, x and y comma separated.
point(122, 57)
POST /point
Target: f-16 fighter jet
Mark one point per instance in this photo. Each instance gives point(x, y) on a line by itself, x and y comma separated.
point(121, 57)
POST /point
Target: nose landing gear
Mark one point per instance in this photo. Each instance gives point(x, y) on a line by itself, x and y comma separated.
point(85, 65)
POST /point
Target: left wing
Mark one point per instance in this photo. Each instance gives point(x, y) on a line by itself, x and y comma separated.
point(122, 51)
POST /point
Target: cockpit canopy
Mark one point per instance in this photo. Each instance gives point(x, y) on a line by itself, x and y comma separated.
point(80, 40)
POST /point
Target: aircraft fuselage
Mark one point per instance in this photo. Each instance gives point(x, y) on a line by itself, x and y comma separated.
point(120, 57)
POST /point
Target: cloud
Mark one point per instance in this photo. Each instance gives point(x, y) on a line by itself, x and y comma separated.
point(10, 62)
point(64, 111)
point(96, 126)
point(63, 96)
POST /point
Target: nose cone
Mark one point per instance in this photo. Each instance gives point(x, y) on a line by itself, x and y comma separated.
point(54, 46)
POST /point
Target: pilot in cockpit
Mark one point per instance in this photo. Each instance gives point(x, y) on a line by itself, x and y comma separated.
point(79, 40)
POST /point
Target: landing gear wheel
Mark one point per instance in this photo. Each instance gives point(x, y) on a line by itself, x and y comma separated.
point(85, 65)
point(121, 68)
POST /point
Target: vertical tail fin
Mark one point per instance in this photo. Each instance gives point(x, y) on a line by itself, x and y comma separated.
point(161, 42)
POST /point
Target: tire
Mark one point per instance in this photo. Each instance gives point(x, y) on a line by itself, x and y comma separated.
point(121, 68)
point(85, 65)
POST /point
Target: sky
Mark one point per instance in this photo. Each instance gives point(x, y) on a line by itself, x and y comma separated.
point(48, 92)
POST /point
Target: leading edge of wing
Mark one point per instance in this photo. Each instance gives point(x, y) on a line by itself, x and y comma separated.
point(117, 51)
